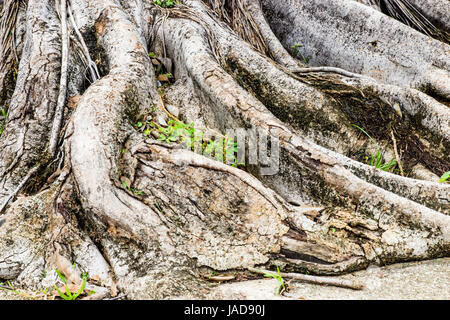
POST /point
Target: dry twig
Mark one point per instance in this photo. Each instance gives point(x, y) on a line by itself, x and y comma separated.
point(314, 279)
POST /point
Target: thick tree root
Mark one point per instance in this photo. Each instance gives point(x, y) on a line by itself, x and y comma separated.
point(150, 216)
point(31, 111)
point(316, 115)
point(239, 108)
point(436, 12)
point(38, 231)
point(325, 41)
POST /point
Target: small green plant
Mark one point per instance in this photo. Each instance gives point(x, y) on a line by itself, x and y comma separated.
point(3, 115)
point(166, 3)
point(158, 206)
point(132, 190)
point(46, 291)
point(445, 177)
point(139, 125)
point(11, 288)
point(377, 160)
point(213, 274)
point(145, 127)
point(68, 295)
point(223, 149)
point(177, 131)
point(298, 53)
point(280, 287)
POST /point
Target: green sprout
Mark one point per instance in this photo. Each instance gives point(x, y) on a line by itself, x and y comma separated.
point(445, 177)
point(10, 288)
point(132, 190)
point(69, 295)
point(224, 148)
point(3, 115)
point(166, 3)
point(298, 53)
point(377, 160)
point(280, 287)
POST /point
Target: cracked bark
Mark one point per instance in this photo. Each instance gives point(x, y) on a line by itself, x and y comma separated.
point(325, 211)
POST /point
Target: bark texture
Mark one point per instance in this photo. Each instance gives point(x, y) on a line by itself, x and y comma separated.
point(84, 185)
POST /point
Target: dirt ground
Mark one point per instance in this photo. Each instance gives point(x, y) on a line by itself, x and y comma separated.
point(427, 280)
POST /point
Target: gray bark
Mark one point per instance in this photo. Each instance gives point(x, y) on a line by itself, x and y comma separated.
point(372, 51)
point(436, 11)
point(326, 211)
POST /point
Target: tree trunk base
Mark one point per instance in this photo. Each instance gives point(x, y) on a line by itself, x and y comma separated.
point(150, 217)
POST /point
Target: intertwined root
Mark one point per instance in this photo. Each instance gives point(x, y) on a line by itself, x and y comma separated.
point(150, 215)
point(32, 106)
point(371, 51)
point(309, 174)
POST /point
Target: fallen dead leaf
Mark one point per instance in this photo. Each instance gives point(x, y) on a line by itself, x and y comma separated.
point(113, 291)
point(72, 102)
point(100, 25)
point(65, 267)
point(163, 78)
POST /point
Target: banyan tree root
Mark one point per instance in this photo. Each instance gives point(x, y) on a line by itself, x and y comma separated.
point(149, 216)
point(325, 40)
